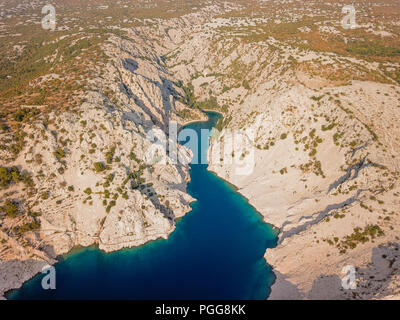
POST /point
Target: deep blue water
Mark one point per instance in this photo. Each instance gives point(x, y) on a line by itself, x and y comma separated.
point(216, 252)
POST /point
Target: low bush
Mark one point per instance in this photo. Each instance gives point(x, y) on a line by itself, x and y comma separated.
point(99, 166)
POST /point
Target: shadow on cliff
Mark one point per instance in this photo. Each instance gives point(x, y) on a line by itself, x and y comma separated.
point(373, 281)
point(286, 290)
point(382, 272)
point(167, 90)
point(15, 272)
point(46, 248)
point(165, 86)
point(317, 217)
point(148, 191)
point(327, 287)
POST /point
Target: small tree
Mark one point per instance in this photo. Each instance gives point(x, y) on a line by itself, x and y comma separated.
point(99, 166)
point(5, 177)
point(11, 208)
point(16, 175)
point(109, 157)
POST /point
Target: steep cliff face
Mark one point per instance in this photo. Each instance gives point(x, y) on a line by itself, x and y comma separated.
point(93, 179)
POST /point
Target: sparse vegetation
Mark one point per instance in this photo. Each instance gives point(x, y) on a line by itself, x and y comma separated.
point(11, 208)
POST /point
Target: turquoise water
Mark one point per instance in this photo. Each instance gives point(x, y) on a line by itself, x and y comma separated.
point(216, 252)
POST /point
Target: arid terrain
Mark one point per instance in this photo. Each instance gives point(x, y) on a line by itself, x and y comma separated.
point(322, 102)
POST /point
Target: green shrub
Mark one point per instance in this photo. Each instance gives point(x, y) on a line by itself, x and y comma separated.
point(3, 127)
point(59, 153)
point(110, 177)
point(45, 195)
point(132, 156)
point(99, 166)
point(246, 85)
point(373, 48)
point(225, 88)
point(5, 177)
point(32, 226)
point(111, 204)
point(329, 127)
point(313, 152)
point(34, 214)
point(9, 175)
point(11, 208)
point(315, 98)
point(27, 179)
point(110, 155)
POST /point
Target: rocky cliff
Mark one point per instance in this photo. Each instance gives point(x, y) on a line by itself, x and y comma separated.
point(318, 104)
point(320, 156)
point(90, 178)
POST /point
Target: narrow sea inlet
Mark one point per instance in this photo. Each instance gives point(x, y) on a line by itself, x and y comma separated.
point(216, 252)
